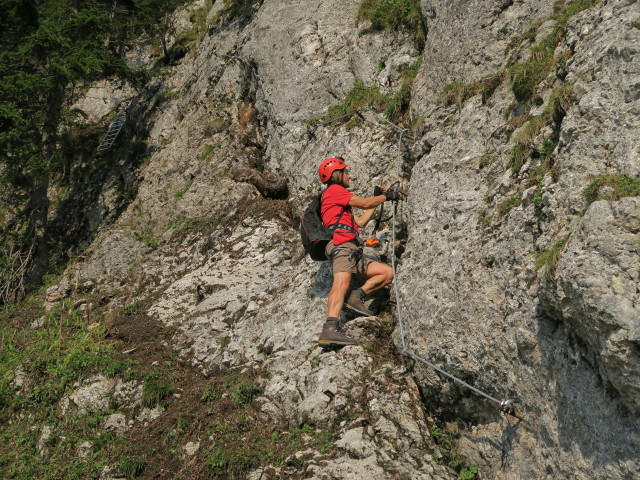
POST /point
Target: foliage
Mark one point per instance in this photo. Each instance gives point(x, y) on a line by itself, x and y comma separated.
point(612, 187)
point(505, 207)
point(360, 96)
point(240, 10)
point(180, 193)
point(551, 257)
point(468, 473)
point(447, 445)
point(527, 75)
point(154, 392)
point(458, 93)
point(559, 101)
point(132, 468)
point(47, 47)
point(392, 16)
point(398, 103)
point(53, 358)
point(210, 395)
point(245, 392)
point(364, 97)
point(147, 237)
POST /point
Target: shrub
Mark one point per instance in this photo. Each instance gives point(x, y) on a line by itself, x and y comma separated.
point(527, 75)
point(360, 96)
point(210, 395)
point(229, 464)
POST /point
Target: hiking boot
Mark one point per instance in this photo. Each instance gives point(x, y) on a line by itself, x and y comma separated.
point(355, 303)
point(332, 335)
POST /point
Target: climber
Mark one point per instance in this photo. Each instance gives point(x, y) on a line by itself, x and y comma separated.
point(344, 251)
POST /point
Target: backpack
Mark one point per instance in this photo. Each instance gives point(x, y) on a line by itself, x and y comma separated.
point(313, 232)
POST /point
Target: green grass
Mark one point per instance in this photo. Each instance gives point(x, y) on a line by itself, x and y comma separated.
point(551, 257)
point(392, 16)
point(132, 468)
point(155, 392)
point(398, 103)
point(506, 206)
point(148, 239)
point(559, 102)
point(612, 187)
point(180, 193)
point(53, 357)
point(245, 392)
point(457, 93)
point(527, 75)
point(361, 96)
point(207, 151)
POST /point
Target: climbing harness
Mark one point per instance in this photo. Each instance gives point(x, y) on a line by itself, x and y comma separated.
point(505, 406)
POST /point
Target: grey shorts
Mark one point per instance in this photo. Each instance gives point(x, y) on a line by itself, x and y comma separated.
point(346, 257)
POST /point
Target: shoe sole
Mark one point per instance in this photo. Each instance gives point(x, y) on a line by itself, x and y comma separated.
point(367, 313)
point(334, 343)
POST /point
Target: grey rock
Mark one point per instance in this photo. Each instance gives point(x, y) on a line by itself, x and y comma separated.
point(117, 423)
point(46, 435)
point(84, 450)
point(90, 397)
point(191, 448)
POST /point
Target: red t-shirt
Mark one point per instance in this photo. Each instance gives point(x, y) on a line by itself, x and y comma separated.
point(334, 200)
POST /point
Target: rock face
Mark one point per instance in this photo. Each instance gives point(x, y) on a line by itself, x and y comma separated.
point(221, 258)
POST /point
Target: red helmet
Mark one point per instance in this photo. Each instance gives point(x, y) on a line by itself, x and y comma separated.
point(328, 166)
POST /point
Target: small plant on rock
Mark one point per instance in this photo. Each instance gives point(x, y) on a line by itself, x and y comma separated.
point(132, 468)
point(155, 392)
point(551, 257)
point(612, 187)
point(245, 392)
point(392, 16)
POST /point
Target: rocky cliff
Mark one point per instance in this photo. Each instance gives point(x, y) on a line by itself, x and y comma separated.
point(515, 134)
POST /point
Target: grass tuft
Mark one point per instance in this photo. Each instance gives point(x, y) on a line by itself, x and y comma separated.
point(360, 96)
point(551, 257)
point(612, 187)
point(392, 16)
point(154, 392)
point(510, 203)
point(132, 468)
point(458, 93)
